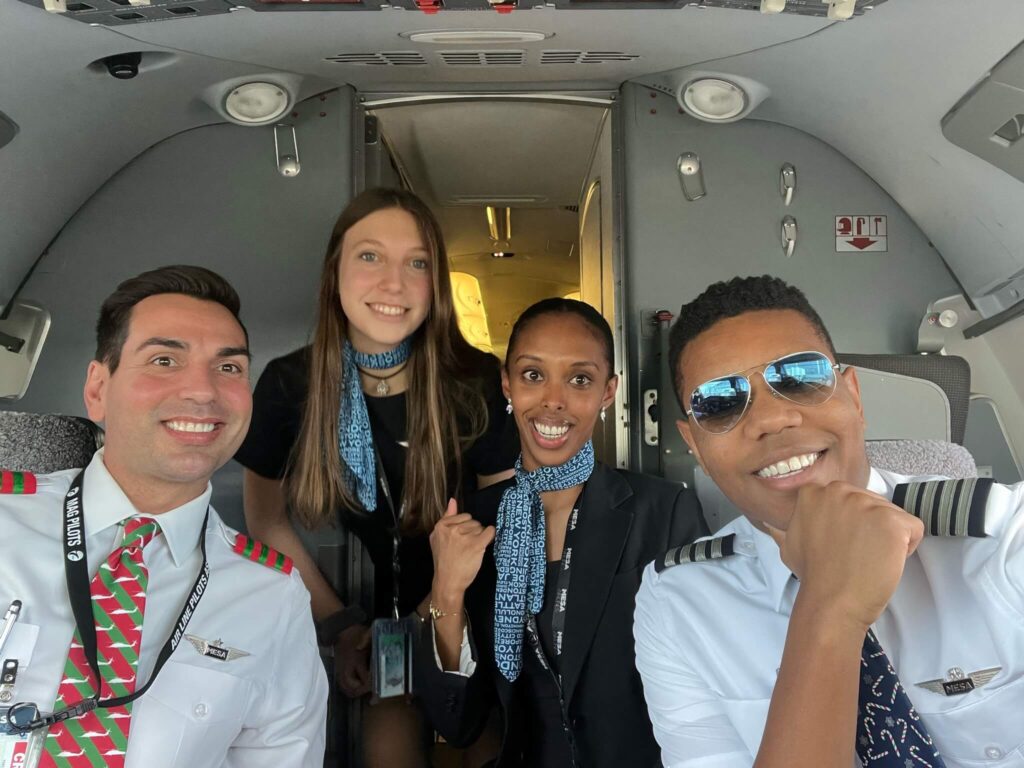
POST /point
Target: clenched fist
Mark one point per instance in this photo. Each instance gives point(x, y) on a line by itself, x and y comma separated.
point(848, 546)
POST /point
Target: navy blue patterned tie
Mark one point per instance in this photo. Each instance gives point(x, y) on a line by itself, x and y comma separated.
point(890, 733)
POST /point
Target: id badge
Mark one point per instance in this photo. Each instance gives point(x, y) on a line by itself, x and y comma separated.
point(19, 750)
point(392, 653)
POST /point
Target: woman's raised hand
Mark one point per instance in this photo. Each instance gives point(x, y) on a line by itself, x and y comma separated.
point(458, 543)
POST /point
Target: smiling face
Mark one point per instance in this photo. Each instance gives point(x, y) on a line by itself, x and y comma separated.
point(558, 379)
point(384, 276)
point(755, 463)
point(178, 404)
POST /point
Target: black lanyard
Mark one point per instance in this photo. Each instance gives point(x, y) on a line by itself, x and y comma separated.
point(396, 533)
point(76, 571)
point(561, 597)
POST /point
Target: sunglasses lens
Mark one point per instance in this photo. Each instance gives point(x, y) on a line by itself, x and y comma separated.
point(718, 404)
point(807, 378)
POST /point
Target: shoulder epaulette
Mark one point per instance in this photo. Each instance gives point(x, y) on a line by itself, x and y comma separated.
point(698, 552)
point(21, 483)
point(947, 507)
point(260, 553)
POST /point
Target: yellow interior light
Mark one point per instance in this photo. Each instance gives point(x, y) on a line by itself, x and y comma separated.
point(469, 308)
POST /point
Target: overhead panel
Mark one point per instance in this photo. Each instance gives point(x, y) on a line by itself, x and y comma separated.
point(989, 121)
point(112, 13)
point(381, 59)
point(120, 12)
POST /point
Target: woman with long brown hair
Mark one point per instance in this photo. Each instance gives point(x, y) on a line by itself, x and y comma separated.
point(383, 418)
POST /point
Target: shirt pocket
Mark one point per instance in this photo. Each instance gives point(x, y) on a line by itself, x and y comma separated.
point(190, 716)
point(986, 732)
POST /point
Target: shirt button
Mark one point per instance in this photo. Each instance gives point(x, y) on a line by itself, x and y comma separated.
point(747, 546)
point(200, 710)
point(993, 753)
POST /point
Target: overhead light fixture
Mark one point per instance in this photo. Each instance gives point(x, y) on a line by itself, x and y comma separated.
point(474, 36)
point(499, 223)
point(773, 6)
point(717, 97)
point(257, 103)
point(713, 99)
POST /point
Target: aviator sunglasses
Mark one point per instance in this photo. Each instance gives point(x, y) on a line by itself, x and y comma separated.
point(805, 378)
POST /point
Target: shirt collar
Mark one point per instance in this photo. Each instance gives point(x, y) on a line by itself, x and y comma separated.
point(106, 505)
point(751, 539)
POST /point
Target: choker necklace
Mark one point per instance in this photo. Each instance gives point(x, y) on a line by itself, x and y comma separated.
point(383, 390)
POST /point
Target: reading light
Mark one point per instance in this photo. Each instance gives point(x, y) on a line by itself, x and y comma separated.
point(713, 99)
point(257, 103)
point(499, 223)
point(474, 36)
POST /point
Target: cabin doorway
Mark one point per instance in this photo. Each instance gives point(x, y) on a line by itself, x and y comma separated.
point(523, 191)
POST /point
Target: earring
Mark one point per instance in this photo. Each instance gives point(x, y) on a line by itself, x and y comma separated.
point(508, 408)
point(603, 415)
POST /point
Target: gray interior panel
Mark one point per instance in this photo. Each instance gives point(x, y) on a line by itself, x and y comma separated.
point(871, 301)
point(877, 89)
point(210, 196)
point(79, 126)
point(898, 407)
point(317, 43)
point(986, 440)
point(977, 123)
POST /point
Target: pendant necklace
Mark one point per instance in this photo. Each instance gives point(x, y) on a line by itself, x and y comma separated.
point(382, 388)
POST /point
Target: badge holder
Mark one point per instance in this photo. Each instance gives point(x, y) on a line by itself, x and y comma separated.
point(391, 653)
point(392, 640)
point(20, 748)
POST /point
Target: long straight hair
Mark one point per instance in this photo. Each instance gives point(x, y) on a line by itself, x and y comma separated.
point(446, 410)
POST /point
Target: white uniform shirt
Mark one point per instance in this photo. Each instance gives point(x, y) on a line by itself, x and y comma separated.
point(710, 635)
point(264, 709)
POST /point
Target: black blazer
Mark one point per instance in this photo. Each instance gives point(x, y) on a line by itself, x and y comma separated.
point(630, 520)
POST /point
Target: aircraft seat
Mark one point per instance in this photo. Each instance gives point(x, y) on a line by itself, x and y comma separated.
point(950, 373)
point(41, 443)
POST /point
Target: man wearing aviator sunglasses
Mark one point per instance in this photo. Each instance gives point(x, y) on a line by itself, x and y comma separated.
point(823, 627)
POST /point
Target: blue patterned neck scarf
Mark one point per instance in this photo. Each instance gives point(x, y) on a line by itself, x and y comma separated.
point(355, 439)
point(519, 552)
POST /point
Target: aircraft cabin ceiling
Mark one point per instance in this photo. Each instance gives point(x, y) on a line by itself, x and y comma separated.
point(876, 88)
point(529, 155)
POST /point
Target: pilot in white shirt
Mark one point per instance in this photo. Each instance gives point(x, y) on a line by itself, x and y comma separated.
point(244, 684)
point(750, 643)
point(710, 637)
point(263, 703)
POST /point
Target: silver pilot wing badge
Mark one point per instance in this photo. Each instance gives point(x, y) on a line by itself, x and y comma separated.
point(957, 683)
point(215, 649)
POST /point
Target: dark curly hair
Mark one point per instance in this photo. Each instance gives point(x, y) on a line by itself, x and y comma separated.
point(731, 298)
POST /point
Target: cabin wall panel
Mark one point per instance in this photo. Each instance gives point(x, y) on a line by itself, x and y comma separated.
point(210, 196)
point(871, 302)
point(598, 276)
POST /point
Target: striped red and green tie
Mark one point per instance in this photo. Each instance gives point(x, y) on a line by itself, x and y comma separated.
point(100, 738)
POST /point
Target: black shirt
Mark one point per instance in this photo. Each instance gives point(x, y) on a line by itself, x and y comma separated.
point(278, 402)
point(546, 744)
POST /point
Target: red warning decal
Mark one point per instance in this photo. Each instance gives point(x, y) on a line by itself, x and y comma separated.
point(862, 232)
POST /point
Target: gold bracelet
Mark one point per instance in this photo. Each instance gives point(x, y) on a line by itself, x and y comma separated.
point(436, 613)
